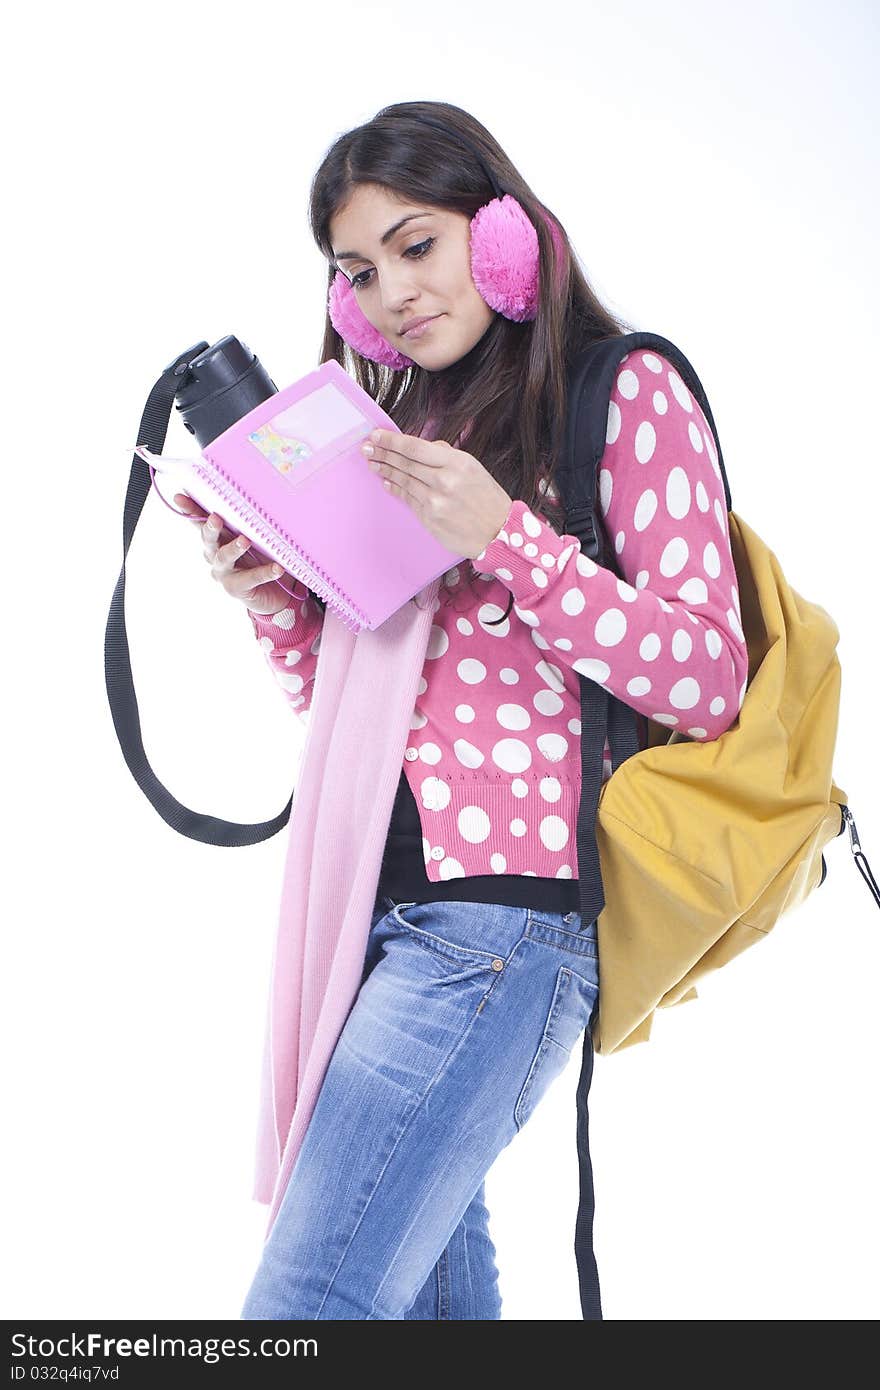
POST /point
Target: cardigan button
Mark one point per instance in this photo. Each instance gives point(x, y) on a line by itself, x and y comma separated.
point(410, 754)
point(438, 852)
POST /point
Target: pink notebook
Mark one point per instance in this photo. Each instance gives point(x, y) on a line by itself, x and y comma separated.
point(291, 477)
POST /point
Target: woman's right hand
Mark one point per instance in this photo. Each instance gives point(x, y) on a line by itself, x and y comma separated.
point(254, 585)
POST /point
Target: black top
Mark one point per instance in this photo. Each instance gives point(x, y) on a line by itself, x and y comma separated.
point(404, 879)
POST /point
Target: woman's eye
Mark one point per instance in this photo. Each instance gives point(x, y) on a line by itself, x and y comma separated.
point(416, 252)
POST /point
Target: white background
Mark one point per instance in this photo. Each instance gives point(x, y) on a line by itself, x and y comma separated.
point(717, 171)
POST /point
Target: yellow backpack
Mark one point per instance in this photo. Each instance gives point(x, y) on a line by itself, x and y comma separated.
point(702, 846)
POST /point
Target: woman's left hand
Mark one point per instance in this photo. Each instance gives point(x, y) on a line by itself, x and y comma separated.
point(451, 493)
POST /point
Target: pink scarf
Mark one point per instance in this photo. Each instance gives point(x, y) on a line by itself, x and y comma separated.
point(366, 687)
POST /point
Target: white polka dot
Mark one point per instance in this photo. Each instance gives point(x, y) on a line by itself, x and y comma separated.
point(489, 613)
point(418, 720)
point(450, 868)
point(471, 671)
point(649, 647)
point(646, 442)
point(674, 556)
point(680, 391)
point(512, 755)
point(702, 499)
point(646, 509)
point(518, 827)
point(435, 794)
point(465, 627)
point(642, 578)
point(697, 732)
point(430, 753)
point(526, 615)
point(626, 591)
point(553, 831)
point(718, 705)
point(563, 644)
point(565, 555)
point(639, 685)
point(685, 693)
point(498, 864)
point(516, 539)
point(659, 402)
point(513, 717)
point(628, 384)
point(553, 746)
point(539, 640)
point(574, 727)
point(592, 668)
point(612, 427)
point(573, 602)
point(539, 579)
point(695, 437)
point(610, 628)
point(438, 642)
point(531, 550)
point(530, 523)
point(508, 675)
point(712, 560)
point(519, 787)
point(652, 362)
point(586, 566)
point(506, 575)
point(467, 754)
point(564, 871)
point(678, 493)
point(551, 675)
point(735, 628)
point(670, 719)
point(287, 617)
point(550, 788)
point(694, 591)
point(681, 644)
point(720, 515)
point(473, 824)
point(713, 642)
point(547, 702)
point(465, 714)
point(606, 487)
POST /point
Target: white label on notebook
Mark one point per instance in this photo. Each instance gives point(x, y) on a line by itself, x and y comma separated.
point(299, 431)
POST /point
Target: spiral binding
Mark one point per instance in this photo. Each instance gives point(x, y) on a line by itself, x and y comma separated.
point(282, 547)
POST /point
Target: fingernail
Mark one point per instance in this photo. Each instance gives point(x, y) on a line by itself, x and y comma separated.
point(276, 569)
point(242, 542)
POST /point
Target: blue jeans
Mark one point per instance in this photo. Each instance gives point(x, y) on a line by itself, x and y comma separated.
point(465, 1014)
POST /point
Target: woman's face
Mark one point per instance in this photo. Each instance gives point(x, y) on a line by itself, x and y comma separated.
point(422, 268)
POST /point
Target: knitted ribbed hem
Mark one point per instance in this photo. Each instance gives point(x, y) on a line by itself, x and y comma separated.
point(283, 627)
point(534, 833)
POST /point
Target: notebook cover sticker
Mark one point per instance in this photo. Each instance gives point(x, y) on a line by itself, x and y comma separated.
point(297, 433)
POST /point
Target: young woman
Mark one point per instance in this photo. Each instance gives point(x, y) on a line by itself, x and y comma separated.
point(479, 975)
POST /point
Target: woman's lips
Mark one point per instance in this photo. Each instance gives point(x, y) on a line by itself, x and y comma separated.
point(421, 328)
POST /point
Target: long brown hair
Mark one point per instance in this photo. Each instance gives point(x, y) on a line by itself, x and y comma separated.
point(509, 390)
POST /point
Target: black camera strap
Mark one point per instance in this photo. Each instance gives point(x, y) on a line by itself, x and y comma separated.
point(117, 664)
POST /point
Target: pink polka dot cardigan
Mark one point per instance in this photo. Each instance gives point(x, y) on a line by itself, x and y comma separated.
point(493, 760)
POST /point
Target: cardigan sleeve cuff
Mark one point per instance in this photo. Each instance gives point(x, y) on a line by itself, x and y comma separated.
point(525, 552)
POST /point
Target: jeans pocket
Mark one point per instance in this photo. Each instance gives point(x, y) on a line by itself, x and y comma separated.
point(570, 1012)
point(447, 929)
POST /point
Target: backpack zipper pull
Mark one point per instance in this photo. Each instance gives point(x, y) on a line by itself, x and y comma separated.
point(863, 866)
point(853, 832)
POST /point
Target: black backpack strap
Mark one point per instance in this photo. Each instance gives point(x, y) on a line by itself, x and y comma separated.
point(117, 665)
point(591, 377)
